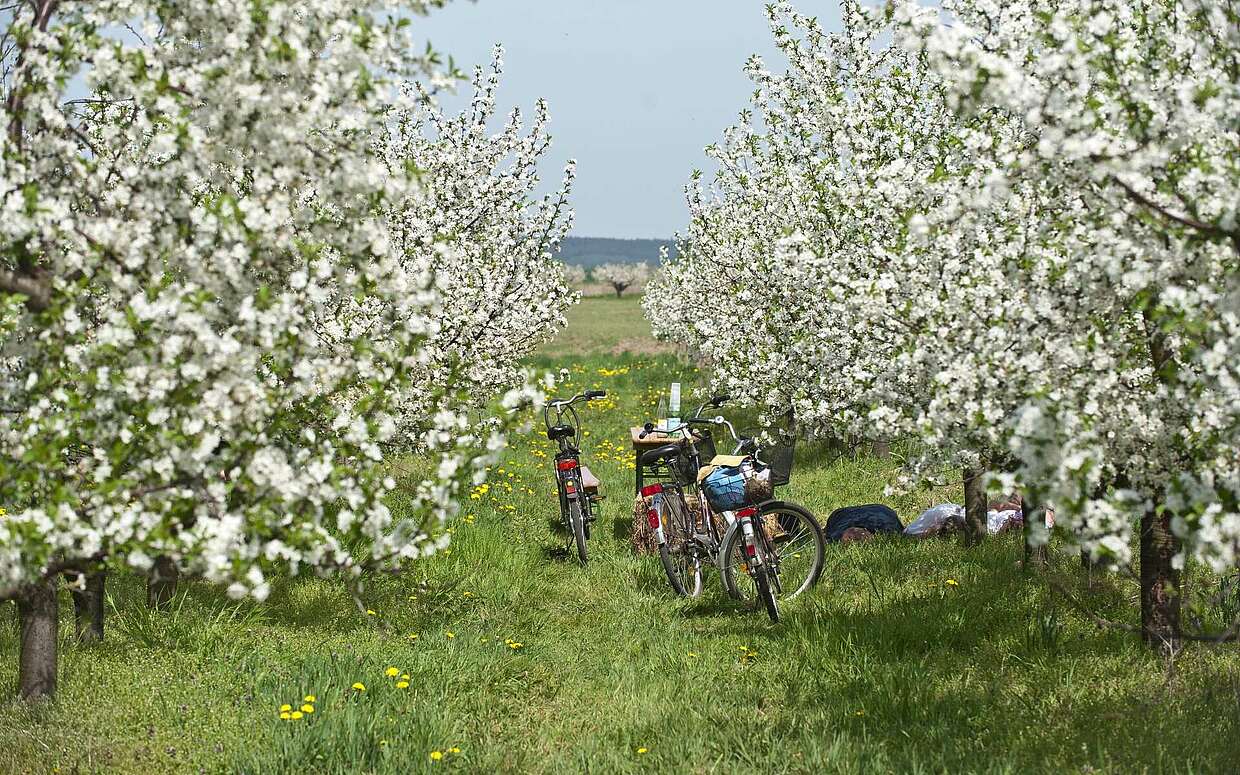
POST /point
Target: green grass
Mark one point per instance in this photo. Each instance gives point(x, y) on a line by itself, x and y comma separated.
point(886, 667)
point(602, 325)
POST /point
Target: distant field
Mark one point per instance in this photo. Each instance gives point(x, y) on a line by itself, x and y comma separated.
point(605, 324)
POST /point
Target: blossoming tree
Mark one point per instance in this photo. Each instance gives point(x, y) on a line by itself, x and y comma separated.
point(816, 231)
point(210, 344)
point(621, 277)
point(1134, 115)
point(492, 240)
point(972, 238)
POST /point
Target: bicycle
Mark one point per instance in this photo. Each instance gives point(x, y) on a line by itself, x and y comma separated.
point(767, 547)
point(577, 486)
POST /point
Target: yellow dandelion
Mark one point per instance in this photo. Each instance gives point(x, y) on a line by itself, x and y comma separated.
point(310, 698)
point(391, 672)
point(953, 583)
point(402, 684)
point(307, 708)
point(286, 716)
point(405, 677)
point(449, 634)
point(643, 751)
point(295, 715)
point(359, 686)
point(436, 755)
point(413, 636)
point(370, 612)
point(285, 708)
point(454, 749)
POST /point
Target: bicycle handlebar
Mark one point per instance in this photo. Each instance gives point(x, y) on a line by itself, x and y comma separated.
point(688, 424)
point(589, 395)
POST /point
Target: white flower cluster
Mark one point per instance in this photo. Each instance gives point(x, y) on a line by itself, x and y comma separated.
point(223, 307)
point(1012, 237)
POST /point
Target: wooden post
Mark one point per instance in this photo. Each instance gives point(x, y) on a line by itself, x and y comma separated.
point(39, 610)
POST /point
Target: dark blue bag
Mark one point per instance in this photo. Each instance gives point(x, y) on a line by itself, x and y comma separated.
point(874, 517)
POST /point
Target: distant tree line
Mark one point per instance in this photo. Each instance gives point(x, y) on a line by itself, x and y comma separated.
point(590, 252)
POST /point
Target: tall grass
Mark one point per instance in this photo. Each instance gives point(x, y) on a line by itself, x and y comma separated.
point(910, 657)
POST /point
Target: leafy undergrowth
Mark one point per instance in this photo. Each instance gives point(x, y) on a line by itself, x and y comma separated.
point(909, 657)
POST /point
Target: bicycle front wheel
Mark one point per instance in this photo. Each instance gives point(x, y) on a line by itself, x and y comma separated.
point(762, 580)
point(795, 551)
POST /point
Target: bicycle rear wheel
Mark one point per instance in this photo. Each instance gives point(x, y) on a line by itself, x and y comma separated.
point(577, 523)
point(680, 562)
point(795, 549)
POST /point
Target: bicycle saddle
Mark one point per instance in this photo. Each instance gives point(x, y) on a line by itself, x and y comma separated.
point(659, 454)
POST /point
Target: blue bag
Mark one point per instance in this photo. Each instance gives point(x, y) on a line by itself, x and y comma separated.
point(725, 488)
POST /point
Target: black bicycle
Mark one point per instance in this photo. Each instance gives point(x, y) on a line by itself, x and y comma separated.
point(578, 487)
point(764, 549)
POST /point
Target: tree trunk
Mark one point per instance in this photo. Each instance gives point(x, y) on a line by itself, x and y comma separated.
point(619, 290)
point(1160, 583)
point(88, 608)
point(39, 609)
point(161, 585)
point(1034, 517)
point(974, 507)
point(882, 450)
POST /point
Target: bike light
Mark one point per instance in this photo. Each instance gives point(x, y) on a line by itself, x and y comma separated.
point(653, 489)
point(570, 487)
point(751, 550)
point(652, 518)
point(566, 465)
point(749, 512)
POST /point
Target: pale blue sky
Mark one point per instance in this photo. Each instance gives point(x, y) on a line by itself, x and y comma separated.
point(637, 89)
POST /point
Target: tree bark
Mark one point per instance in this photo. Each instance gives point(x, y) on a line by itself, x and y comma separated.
point(882, 450)
point(1034, 516)
point(39, 610)
point(1160, 583)
point(974, 507)
point(161, 585)
point(88, 608)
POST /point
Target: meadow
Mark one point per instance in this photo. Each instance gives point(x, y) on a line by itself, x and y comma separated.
point(501, 655)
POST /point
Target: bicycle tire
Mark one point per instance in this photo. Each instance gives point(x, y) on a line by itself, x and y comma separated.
point(812, 534)
point(577, 524)
point(677, 533)
point(766, 595)
point(686, 583)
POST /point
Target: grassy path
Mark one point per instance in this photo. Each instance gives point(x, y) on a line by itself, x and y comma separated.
point(909, 657)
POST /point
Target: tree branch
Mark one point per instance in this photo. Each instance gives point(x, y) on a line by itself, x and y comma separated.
point(1184, 220)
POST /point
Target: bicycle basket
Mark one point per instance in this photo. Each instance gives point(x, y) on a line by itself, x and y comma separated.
point(729, 488)
point(778, 459)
